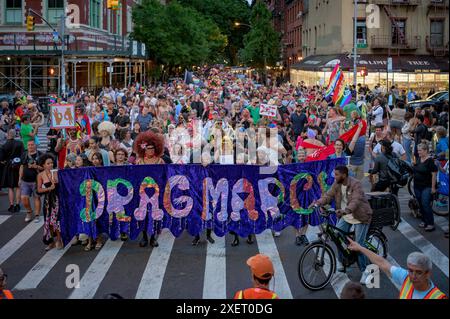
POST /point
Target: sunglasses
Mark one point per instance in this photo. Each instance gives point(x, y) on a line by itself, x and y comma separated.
point(150, 148)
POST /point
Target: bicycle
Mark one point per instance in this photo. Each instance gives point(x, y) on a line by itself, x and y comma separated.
point(323, 256)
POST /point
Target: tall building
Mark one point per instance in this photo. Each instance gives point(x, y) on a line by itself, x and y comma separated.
point(97, 48)
point(287, 19)
point(414, 33)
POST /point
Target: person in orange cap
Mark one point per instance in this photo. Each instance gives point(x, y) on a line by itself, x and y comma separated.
point(262, 271)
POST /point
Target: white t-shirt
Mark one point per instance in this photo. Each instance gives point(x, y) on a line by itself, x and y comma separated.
point(397, 148)
point(378, 113)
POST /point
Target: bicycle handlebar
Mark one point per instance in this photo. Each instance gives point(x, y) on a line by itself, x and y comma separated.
point(323, 211)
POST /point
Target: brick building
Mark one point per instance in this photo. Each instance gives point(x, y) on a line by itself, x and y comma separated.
point(97, 48)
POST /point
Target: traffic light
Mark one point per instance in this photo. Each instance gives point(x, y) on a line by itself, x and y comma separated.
point(30, 23)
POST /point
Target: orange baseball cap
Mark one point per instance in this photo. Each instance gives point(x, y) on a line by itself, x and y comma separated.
point(261, 266)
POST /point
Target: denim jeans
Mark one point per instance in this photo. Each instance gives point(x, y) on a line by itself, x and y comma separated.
point(407, 146)
point(360, 237)
point(423, 195)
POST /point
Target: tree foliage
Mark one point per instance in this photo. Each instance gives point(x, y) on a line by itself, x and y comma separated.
point(176, 35)
point(225, 13)
point(262, 45)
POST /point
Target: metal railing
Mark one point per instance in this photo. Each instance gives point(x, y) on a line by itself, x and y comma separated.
point(440, 50)
point(386, 42)
point(74, 44)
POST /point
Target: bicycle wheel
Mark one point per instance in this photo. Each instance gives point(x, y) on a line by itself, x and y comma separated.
point(376, 241)
point(397, 213)
point(316, 266)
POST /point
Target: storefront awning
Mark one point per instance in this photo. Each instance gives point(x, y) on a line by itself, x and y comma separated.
point(375, 63)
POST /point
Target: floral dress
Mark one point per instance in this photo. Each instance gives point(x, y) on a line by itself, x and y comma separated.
point(51, 213)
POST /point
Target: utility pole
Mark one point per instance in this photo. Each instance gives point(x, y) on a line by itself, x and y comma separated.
point(61, 37)
point(63, 64)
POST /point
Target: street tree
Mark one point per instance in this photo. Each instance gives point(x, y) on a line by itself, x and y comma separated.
point(262, 44)
point(177, 36)
point(225, 13)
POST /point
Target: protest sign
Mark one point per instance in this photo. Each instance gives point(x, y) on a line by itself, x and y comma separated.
point(62, 116)
point(268, 110)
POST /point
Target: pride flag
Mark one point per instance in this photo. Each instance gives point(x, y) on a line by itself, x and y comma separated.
point(336, 78)
point(344, 98)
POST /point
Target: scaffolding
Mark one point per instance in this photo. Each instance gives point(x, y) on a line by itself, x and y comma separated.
point(33, 78)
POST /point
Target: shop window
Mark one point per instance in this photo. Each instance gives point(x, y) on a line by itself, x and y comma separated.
point(13, 12)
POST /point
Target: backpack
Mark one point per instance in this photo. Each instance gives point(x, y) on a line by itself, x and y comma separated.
point(398, 171)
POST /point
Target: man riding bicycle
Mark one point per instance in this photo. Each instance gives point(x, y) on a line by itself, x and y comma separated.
point(352, 208)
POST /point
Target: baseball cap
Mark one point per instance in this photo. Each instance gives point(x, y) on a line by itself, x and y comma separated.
point(261, 266)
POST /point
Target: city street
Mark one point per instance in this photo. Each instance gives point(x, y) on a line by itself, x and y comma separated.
point(176, 269)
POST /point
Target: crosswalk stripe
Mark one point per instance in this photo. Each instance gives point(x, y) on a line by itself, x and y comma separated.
point(14, 244)
point(97, 271)
point(266, 246)
point(4, 218)
point(339, 279)
point(441, 222)
point(34, 277)
point(438, 258)
point(214, 284)
point(153, 276)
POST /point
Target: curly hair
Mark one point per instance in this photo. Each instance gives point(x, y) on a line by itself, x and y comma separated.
point(45, 157)
point(107, 126)
point(148, 138)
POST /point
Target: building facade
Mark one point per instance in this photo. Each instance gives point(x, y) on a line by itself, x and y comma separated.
point(287, 19)
point(97, 48)
point(414, 33)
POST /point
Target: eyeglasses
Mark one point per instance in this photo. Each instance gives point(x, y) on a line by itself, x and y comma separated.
point(150, 148)
point(418, 273)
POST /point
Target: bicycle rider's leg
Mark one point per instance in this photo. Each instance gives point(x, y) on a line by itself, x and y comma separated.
point(360, 236)
point(345, 227)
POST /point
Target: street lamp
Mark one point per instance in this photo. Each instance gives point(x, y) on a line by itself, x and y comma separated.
point(237, 24)
point(355, 17)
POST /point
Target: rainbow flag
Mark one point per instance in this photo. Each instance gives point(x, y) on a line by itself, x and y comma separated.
point(336, 77)
point(344, 98)
point(338, 90)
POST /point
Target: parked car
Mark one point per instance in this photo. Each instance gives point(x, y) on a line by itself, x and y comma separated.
point(437, 100)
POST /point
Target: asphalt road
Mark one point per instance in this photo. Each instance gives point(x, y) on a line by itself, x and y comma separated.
point(177, 269)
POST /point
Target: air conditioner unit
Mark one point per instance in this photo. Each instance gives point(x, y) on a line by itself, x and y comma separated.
point(361, 41)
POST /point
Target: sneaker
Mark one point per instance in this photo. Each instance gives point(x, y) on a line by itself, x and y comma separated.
point(298, 240)
point(210, 239)
point(250, 240)
point(422, 225)
point(28, 218)
point(429, 228)
point(364, 276)
point(235, 242)
point(75, 241)
point(305, 240)
point(37, 219)
point(17, 208)
point(123, 237)
point(11, 209)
